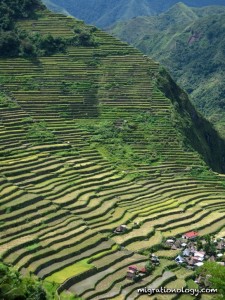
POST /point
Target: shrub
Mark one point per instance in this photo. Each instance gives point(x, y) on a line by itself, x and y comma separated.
point(149, 267)
point(48, 45)
point(9, 44)
point(39, 133)
point(12, 10)
point(83, 37)
point(14, 286)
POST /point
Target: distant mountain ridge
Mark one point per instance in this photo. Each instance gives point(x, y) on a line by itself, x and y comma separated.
point(190, 42)
point(105, 13)
point(56, 8)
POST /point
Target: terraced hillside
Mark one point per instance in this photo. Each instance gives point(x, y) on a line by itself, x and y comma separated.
point(89, 142)
point(188, 42)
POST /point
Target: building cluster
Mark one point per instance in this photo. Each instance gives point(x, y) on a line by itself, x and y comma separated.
point(191, 255)
point(137, 273)
point(134, 273)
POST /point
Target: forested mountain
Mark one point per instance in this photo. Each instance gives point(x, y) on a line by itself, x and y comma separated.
point(104, 13)
point(190, 42)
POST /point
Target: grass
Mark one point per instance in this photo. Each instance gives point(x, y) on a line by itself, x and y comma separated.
point(73, 270)
point(51, 289)
point(33, 247)
point(169, 254)
point(7, 102)
point(191, 284)
point(142, 245)
point(38, 133)
point(102, 254)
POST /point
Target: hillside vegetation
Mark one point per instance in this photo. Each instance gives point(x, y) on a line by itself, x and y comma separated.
point(14, 286)
point(15, 41)
point(92, 138)
point(190, 43)
point(105, 13)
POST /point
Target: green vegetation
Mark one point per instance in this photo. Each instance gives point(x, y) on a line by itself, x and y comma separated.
point(84, 37)
point(39, 134)
point(190, 43)
point(33, 247)
point(209, 247)
point(73, 87)
point(12, 10)
point(72, 270)
point(6, 101)
point(149, 267)
point(184, 116)
point(112, 138)
point(216, 277)
point(17, 42)
point(14, 286)
point(104, 14)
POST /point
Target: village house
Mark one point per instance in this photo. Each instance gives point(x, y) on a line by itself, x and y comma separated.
point(220, 245)
point(154, 259)
point(173, 247)
point(190, 253)
point(178, 244)
point(219, 255)
point(143, 271)
point(131, 274)
point(169, 242)
point(212, 258)
point(179, 259)
point(199, 255)
point(133, 268)
point(203, 280)
point(199, 264)
point(191, 261)
point(190, 235)
point(120, 229)
point(186, 252)
point(135, 273)
point(221, 263)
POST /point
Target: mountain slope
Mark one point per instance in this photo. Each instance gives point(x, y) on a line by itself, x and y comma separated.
point(105, 13)
point(56, 8)
point(91, 138)
point(190, 43)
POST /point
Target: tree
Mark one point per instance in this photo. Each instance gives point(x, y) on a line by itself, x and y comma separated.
point(9, 44)
point(217, 276)
point(199, 244)
point(149, 267)
point(12, 10)
point(14, 286)
point(28, 49)
point(209, 247)
point(84, 37)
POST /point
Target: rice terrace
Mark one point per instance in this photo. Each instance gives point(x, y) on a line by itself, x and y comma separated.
point(108, 173)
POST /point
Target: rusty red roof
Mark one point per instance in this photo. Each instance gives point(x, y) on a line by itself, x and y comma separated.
point(133, 268)
point(191, 234)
